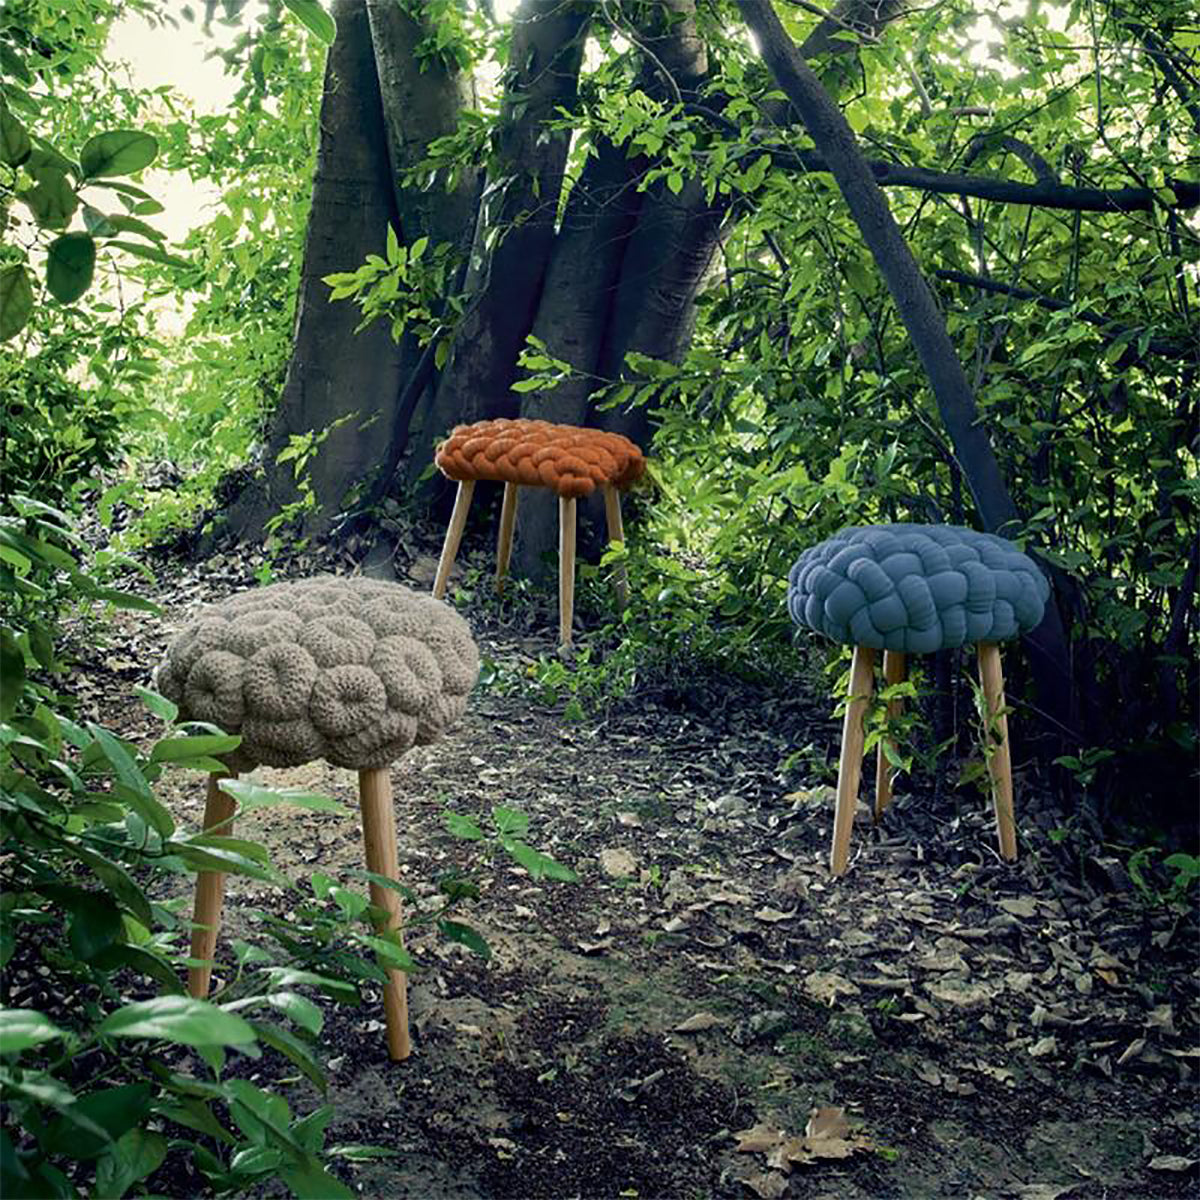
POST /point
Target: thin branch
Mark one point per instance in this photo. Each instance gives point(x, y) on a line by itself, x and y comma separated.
point(1111, 332)
point(1044, 194)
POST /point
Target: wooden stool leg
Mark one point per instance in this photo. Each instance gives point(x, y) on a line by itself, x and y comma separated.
point(893, 672)
point(508, 519)
point(379, 840)
point(210, 888)
point(850, 768)
point(616, 533)
point(458, 522)
point(999, 760)
point(566, 567)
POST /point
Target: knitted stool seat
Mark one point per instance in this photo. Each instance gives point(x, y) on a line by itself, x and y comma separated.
point(914, 589)
point(353, 671)
point(570, 460)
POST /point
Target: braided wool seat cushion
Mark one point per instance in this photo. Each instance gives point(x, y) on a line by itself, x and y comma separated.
point(571, 460)
point(354, 671)
point(916, 588)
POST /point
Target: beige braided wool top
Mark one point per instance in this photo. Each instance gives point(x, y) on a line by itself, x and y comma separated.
point(354, 671)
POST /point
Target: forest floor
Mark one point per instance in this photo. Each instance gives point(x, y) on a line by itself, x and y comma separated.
point(706, 1013)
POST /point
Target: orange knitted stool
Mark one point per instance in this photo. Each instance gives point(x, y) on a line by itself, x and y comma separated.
point(569, 459)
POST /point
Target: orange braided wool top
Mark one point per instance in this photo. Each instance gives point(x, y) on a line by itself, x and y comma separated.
point(570, 459)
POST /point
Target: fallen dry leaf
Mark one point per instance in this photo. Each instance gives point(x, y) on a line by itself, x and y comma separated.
point(826, 987)
point(1172, 1162)
point(774, 915)
point(961, 992)
point(617, 864)
point(770, 1185)
point(698, 1022)
point(759, 1139)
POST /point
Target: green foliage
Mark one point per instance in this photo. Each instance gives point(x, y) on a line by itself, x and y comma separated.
point(1164, 884)
point(410, 288)
point(507, 829)
point(86, 847)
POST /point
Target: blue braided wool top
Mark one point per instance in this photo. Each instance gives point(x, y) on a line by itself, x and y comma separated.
point(916, 588)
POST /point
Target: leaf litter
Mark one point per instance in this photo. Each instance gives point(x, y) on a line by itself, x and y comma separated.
point(961, 1010)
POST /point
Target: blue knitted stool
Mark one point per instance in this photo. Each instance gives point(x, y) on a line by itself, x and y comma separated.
point(913, 589)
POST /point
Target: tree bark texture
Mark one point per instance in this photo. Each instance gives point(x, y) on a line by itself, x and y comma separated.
point(524, 184)
point(334, 374)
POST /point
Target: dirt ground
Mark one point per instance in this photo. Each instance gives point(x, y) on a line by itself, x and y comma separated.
point(706, 1013)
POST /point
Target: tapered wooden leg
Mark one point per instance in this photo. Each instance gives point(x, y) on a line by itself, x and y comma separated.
point(616, 533)
point(210, 888)
point(893, 672)
point(566, 567)
point(458, 522)
point(999, 760)
point(850, 767)
point(508, 519)
point(379, 840)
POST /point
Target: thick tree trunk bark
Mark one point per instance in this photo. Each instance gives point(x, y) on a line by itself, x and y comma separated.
point(914, 301)
point(577, 306)
point(335, 375)
point(626, 269)
point(524, 185)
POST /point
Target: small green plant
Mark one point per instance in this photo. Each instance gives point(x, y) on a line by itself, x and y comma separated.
point(301, 449)
point(508, 827)
point(1185, 872)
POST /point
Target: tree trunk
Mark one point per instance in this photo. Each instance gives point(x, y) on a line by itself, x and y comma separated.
point(835, 141)
point(335, 375)
point(524, 185)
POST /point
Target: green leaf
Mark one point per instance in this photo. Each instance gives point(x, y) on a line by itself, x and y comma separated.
point(455, 931)
point(70, 264)
point(219, 858)
point(136, 1154)
point(314, 18)
point(15, 146)
point(164, 709)
point(121, 222)
point(292, 1048)
point(253, 795)
point(178, 749)
point(118, 152)
point(52, 199)
point(178, 1019)
point(117, 880)
point(304, 1012)
point(21, 1028)
point(355, 1152)
point(12, 673)
point(142, 961)
point(147, 807)
point(538, 865)
point(94, 927)
point(97, 223)
point(113, 1110)
point(153, 253)
point(462, 827)
point(125, 600)
point(13, 64)
point(509, 820)
point(337, 989)
point(16, 299)
point(310, 1181)
point(394, 957)
point(136, 790)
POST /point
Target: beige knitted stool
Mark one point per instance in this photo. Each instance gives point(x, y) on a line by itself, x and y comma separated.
point(569, 459)
point(353, 671)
